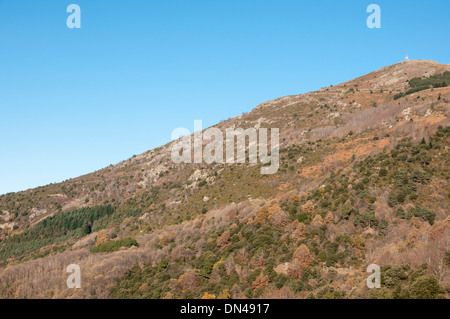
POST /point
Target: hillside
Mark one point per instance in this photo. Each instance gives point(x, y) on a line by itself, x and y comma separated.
point(363, 179)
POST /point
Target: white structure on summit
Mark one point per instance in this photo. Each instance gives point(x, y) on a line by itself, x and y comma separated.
point(407, 59)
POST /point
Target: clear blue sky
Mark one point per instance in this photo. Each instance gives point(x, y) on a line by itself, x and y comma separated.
point(74, 101)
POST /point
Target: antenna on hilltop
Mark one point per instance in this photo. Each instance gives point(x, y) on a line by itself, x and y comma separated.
point(406, 58)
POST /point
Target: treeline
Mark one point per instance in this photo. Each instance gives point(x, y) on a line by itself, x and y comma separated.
point(438, 80)
point(420, 84)
point(53, 230)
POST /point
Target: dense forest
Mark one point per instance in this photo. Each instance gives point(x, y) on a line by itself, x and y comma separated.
point(53, 230)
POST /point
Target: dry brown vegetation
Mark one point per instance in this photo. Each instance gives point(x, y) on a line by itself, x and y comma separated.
point(186, 215)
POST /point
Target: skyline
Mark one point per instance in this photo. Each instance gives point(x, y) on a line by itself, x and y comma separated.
point(77, 100)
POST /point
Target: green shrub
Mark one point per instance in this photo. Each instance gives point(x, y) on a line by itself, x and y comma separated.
point(383, 172)
point(115, 245)
point(423, 213)
point(426, 287)
point(399, 95)
point(401, 213)
point(346, 211)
